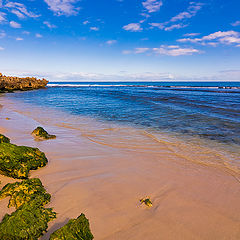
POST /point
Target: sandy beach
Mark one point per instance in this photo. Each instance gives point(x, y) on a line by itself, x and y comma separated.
point(103, 171)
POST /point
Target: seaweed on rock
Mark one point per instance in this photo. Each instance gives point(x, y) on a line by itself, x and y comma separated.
point(28, 222)
point(40, 133)
point(74, 229)
point(17, 161)
point(25, 191)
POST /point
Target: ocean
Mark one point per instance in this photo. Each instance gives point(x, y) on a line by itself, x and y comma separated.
point(209, 110)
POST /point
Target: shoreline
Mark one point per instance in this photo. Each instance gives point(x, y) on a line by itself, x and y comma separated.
point(190, 201)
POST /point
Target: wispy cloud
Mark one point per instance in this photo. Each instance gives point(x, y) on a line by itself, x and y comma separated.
point(175, 26)
point(111, 42)
point(191, 34)
point(191, 11)
point(14, 24)
point(227, 37)
point(169, 50)
point(19, 10)
point(86, 22)
point(63, 7)
point(94, 28)
point(121, 76)
point(49, 25)
point(140, 50)
point(152, 5)
point(175, 50)
point(1, 48)
point(38, 35)
point(19, 39)
point(2, 34)
point(2, 17)
point(235, 24)
point(133, 27)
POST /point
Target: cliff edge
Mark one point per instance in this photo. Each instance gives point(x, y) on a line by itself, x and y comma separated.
point(16, 83)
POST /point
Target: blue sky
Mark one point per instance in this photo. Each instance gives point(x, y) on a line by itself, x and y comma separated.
point(121, 39)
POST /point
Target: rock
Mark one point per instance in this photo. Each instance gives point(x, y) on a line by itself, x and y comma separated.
point(146, 201)
point(29, 221)
point(25, 191)
point(17, 161)
point(4, 139)
point(40, 133)
point(10, 84)
point(74, 229)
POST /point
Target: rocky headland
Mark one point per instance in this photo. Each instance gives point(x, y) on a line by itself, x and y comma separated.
point(8, 83)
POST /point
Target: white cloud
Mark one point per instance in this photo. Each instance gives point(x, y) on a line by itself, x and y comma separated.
point(235, 24)
point(133, 27)
point(158, 25)
point(121, 76)
point(1, 48)
point(15, 24)
point(38, 35)
point(26, 32)
point(2, 34)
point(174, 50)
point(19, 39)
point(141, 50)
point(191, 34)
point(94, 28)
point(20, 10)
point(48, 24)
point(152, 5)
point(227, 37)
point(189, 13)
point(169, 50)
point(2, 17)
point(111, 42)
point(86, 22)
point(175, 26)
point(63, 7)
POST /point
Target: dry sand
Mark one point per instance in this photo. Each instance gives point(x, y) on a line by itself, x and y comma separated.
point(103, 172)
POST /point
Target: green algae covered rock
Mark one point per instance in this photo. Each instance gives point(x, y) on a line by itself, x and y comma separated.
point(17, 161)
point(40, 133)
point(28, 222)
point(147, 201)
point(4, 139)
point(74, 229)
point(25, 191)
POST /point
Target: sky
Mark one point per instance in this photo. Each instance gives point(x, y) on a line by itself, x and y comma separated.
point(121, 40)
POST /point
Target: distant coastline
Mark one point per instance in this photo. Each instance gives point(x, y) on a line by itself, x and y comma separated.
point(9, 83)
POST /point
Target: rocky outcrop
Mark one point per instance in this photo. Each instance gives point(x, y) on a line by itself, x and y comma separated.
point(41, 134)
point(16, 83)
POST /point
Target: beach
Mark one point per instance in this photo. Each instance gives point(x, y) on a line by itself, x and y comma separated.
point(104, 169)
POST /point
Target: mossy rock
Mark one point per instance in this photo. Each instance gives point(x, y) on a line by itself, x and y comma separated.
point(4, 139)
point(17, 161)
point(28, 222)
point(147, 201)
point(40, 133)
point(25, 191)
point(74, 229)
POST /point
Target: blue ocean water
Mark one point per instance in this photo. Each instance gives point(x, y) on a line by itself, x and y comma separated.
point(209, 110)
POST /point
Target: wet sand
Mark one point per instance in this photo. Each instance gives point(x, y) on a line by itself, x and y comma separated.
point(103, 171)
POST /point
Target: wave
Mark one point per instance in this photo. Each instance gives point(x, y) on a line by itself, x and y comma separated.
point(219, 89)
